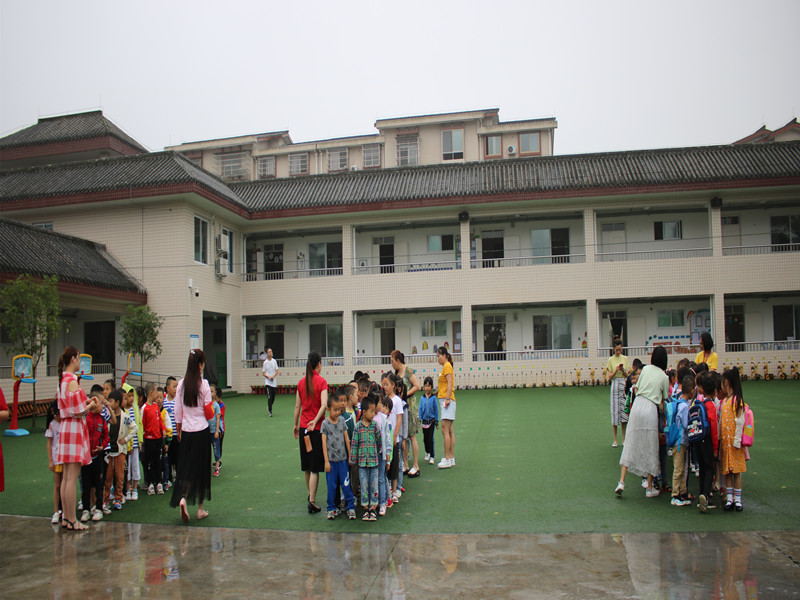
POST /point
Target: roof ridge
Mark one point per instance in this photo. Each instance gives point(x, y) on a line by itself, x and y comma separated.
point(39, 230)
point(88, 162)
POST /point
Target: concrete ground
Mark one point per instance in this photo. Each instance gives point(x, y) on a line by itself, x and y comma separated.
point(129, 560)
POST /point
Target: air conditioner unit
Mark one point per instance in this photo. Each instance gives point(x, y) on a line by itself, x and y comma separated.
point(512, 149)
point(354, 167)
point(221, 268)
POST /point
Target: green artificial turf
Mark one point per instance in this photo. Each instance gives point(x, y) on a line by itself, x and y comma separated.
point(529, 461)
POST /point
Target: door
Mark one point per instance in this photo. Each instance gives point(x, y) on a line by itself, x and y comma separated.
point(318, 339)
point(494, 337)
point(274, 339)
point(541, 332)
point(734, 327)
point(99, 341)
point(273, 261)
point(731, 233)
point(559, 244)
point(493, 250)
point(221, 361)
point(386, 257)
point(618, 321)
point(387, 340)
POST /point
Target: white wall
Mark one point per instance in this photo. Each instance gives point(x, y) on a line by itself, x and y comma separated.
point(643, 326)
point(639, 231)
point(758, 315)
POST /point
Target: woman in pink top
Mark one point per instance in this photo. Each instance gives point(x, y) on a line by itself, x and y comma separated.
point(192, 406)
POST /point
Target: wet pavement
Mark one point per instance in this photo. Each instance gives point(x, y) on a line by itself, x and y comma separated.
point(128, 560)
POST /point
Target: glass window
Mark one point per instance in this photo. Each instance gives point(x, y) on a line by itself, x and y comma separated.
point(529, 143)
point(298, 163)
point(494, 145)
point(452, 144)
point(434, 328)
point(441, 243)
point(786, 322)
point(325, 258)
point(785, 232)
point(265, 167)
point(372, 155)
point(667, 230)
point(671, 318)
point(337, 159)
point(46, 226)
point(231, 165)
point(201, 240)
point(227, 237)
point(407, 150)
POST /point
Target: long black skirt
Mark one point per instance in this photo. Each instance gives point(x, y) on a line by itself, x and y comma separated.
point(193, 480)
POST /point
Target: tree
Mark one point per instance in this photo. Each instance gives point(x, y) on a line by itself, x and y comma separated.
point(139, 329)
point(30, 314)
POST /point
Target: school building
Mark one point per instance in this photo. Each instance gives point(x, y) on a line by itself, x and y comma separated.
point(458, 230)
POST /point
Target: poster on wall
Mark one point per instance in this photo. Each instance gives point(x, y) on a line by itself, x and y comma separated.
point(194, 341)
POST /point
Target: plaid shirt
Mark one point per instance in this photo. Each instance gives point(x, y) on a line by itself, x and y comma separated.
point(366, 445)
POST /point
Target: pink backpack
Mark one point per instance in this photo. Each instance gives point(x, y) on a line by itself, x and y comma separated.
point(748, 434)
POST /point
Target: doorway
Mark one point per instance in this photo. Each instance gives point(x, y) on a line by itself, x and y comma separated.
point(273, 338)
point(734, 328)
point(386, 257)
point(384, 332)
point(99, 340)
point(215, 347)
point(273, 261)
point(494, 337)
point(492, 249)
point(457, 339)
point(618, 321)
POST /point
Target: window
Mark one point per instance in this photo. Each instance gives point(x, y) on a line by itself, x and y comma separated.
point(337, 159)
point(298, 164)
point(670, 318)
point(552, 245)
point(326, 339)
point(785, 233)
point(325, 258)
point(667, 230)
point(786, 322)
point(265, 167)
point(227, 243)
point(385, 324)
point(552, 332)
point(434, 328)
point(407, 150)
point(529, 143)
point(46, 226)
point(231, 165)
point(201, 240)
point(452, 144)
point(494, 145)
point(494, 337)
point(730, 220)
point(440, 243)
point(372, 155)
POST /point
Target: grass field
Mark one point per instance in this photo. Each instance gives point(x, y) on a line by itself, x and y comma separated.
point(529, 461)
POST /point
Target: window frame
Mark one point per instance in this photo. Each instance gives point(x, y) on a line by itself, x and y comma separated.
point(486, 152)
point(229, 234)
point(538, 143)
point(672, 312)
point(364, 148)
point(261, 160)
point(433, 328)
point(227, 160)
point(441, 242)
point(203, 240)
point(453, 154)
point(338, 151)
point(406, 144)
point(658, 230)
point(296, 156)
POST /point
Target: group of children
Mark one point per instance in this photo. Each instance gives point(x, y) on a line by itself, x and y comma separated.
point(707, 429)
point(365, 439)
point(131, 429)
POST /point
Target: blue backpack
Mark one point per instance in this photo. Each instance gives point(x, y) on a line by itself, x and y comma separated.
point(697, 429)
point(674, 429)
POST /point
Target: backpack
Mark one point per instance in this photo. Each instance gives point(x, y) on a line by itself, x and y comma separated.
point(674, 430)
point(697, 429)
point(748, 434)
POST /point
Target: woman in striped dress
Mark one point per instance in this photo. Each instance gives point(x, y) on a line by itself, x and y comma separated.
point(73, 447)
point(616, 372)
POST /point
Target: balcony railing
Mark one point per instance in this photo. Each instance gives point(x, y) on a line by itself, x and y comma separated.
point(641, 351)
point(762, 346)
point(652, 254)
point(759, 249)
point(415, 359)
point(411, 267)
point(296, 274)
point(526, 261)
point(530, 354)
point(288, 363)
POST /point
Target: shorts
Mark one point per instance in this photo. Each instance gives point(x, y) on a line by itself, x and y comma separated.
point(314, 461)
point(448, 413)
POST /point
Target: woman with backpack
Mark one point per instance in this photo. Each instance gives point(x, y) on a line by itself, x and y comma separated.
point(640, 453)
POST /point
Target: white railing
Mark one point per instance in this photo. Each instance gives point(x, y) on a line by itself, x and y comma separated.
point(296, 274)
point(530, 354)
point(640, 351)
point(385, 359)
point(368, 269)
point(759, 249)
point(288, 363)
point(762, 346)
point(652, 254)
point(526, 261)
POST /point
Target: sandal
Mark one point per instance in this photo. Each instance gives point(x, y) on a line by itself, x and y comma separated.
point(74, 526)
point(184, 512)
point(202, 514)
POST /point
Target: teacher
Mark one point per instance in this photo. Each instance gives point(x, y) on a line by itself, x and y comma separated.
point(447, 397)
point(411, 416)
point(309, 409)
point(707, 355)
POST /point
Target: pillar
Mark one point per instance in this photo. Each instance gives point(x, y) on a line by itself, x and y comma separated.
point(466, 332)
point(589, 233)
point(592, 327)
point(348, 337)
point(717, 308)
point(348, 240)
point(466, 242)
point(715, 226)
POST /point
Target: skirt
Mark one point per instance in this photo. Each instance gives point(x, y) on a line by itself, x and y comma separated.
point(448, 413)
point(640, 450)
point(413, 417)
point(314, 461)
point(73, 442)
point(193, 480)
point(618, 414)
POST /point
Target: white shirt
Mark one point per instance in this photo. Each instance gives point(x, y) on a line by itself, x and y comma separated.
point(269, 370)
point(397, 411)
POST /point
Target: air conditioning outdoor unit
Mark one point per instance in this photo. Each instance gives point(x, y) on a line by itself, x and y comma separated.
point(512, 149)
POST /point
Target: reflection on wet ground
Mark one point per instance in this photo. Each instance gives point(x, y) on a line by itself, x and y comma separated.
point(127, 560)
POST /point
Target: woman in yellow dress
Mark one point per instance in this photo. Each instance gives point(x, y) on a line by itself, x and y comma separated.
point(707, 355)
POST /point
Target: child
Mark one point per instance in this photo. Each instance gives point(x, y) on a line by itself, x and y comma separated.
point(169, 405)
point(429, 417)
point(153, 428)
point(131, 406)
point(679, 455)
point(221, 422)
point(335, 449)
point(52, 434)
point(705, 450)
point(169, 429)
point(93, 474)
point(385, 457)
point(108, 387)
point(351, 417)
point(389, 384)
point(120, 433)
point(364, 452)
point(732, 455)
point(214, 429)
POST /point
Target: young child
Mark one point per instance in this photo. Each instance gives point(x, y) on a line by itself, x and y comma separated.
point(429, 417)
point(52, 434)
point(385, 422)
point(335, 449)
point(131, 406)
point(214, 427)
point(705, 450)
point(120, 434)
point(732, 455)
point(153, 428)
point(108, 387)
point(351, 417)
point(389, 384)
point(169, 428)
point(170, 390)
point(679, 451)
point(222, 427)
point(364, 451)
point(93, 474)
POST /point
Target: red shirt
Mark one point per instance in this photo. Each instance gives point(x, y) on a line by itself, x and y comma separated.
point(310, 406)
point(711, 415)
point(151, 422)
point(98, 432)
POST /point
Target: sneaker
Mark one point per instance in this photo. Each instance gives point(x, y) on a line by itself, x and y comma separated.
point(737, 506)
point(351, 514)
point(55, 518)
point(117, 505)
point(80, 504)
point(151, 490)
point(619, 489)
point(729, 506)
point(97, 514)
point(106, 509)
point(372, 516)
point(168, 485)
point(453, 462)
point(135, 495)
point(702, 503)
point(128, 495)
point(396, 497)
point(652, 493)
point(444, 464)
point(678, 501)
point(644, 482)
point(85, 516)
point(331, 514)
point(382, 510)
point(365, 516)
point(615, 445)
point(160, 489)
point(432, 461)
point(389, 503)
point(427, 457)
point(270, 413)
point(216, 473)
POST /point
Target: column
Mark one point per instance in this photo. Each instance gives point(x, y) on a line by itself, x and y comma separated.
point(592, 327)
point(589, 233)
point(466, 333)
point(715, 226)
point(717, 302)
point(466, 242)
point(348, 337)
point(347, 249)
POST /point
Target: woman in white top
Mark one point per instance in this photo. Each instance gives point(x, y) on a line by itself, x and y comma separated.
point(192, 407)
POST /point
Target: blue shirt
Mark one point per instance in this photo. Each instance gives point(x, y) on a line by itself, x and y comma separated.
point(212, 423)
point(429, 408)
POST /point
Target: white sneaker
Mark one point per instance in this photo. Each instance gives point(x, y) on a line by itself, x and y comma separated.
point(444, 464)
point(106, 509)
point(382, 510)
point(619, 489)
point(151, 490)
point(652, 493)
point(644, 482)
point(80, 504)
point(431, 460)
point(453, 462)
point(135, 495)
point(97, 515)
point(128, 495)
point(85, 516)
point(55, 518)
point(160, 489)
point(427, 457)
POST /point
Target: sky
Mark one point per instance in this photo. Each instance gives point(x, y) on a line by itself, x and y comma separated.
point(617, 75)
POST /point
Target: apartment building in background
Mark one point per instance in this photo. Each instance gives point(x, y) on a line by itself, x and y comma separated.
point(524, 267)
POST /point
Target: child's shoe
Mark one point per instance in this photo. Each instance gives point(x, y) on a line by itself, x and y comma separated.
point(97, 514)
point(372, 516)
point(85, 516)
point(54, 520)
point(382, 510)
point(331, 515)
point(737, 506)
point(678, 501)
point(389, 503)
point(444, 464)
point(106, 509)
point(365, 516)
point(396, 497)
point(431, 461)
point(160, 489)
point(151, 490)
point(168, 485)
point(644, 482)
point(351, 514)
point(128, 495)
point(117, 505)
point(80, 504)
point(652, 493)
point(216, 473)
point(135, 495)
point(427, 457)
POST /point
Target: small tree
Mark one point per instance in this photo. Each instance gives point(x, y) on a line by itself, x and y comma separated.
point(139, 329)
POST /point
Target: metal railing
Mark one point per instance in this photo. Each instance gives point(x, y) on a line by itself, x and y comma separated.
point(640, 351)
point(288, 363)
point(652, 254)
point(751, 250)
point(416, 359)
point(364, 268)
point(530, 354)
point(762, 346)
point(292, 274)
point(526, 261)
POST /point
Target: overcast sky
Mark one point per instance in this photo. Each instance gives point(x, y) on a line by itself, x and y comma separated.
point(617, 75)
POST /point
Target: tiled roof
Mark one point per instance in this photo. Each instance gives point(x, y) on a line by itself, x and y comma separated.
point(142, 170)
point(28, 249)
point(540, 174)
point(68, 128)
